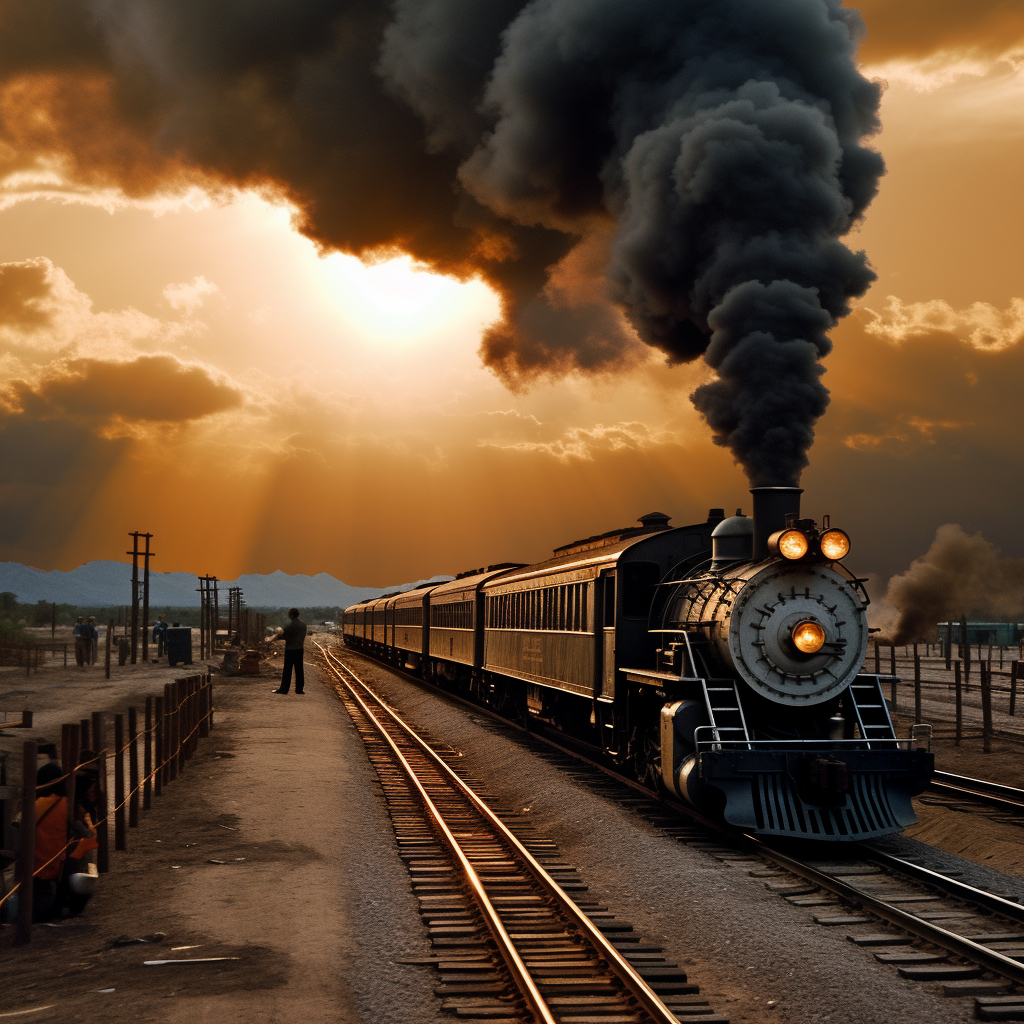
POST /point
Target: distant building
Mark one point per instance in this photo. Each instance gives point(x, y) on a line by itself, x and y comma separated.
point(998, 634)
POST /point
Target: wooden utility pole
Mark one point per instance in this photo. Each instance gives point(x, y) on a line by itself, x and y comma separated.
point(135, 595)
point(145, 600)
point(205, 616)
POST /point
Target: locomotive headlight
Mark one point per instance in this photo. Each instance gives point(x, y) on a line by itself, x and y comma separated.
point(835, 545)
point(808, 637)
point(792, 544)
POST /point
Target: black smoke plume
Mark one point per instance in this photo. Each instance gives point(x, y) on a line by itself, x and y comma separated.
point(959, 574)
point(675, 170)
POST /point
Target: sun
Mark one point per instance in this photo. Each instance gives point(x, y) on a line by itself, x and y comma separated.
point(397, 300)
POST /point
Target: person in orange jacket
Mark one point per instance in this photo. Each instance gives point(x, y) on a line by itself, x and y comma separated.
point(51, 838)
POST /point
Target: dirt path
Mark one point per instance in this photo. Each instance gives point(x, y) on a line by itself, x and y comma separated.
point(311, 898)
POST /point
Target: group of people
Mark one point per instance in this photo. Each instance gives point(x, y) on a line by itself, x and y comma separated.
point(65, 869)
point(87, 637)
point(87, 640)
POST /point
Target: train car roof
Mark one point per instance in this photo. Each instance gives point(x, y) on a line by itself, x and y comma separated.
point(470, 581)
point(416, 595)
point(592, 555)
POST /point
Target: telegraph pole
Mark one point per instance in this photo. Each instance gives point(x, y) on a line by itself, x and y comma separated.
point(145, 600)
point(147, 554)
point(206, 635)
point(135, 594)
point(216, 618)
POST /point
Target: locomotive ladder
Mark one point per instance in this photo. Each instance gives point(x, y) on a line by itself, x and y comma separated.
point(725, 712)
point(870, 710)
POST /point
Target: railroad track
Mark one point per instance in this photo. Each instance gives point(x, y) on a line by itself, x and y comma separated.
point(512, 943)
point(962, 789)
point(928, 925)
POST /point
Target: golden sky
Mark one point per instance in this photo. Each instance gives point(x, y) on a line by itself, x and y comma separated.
point(178, 356)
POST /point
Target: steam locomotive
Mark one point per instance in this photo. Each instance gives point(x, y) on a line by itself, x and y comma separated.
point(720, 662)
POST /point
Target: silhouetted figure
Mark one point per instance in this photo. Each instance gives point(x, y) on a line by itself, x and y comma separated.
point(294, 636)
point(159, 635)
point(94, 640)
point(83, 641)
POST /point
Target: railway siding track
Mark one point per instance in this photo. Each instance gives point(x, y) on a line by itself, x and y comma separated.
point(510, 941)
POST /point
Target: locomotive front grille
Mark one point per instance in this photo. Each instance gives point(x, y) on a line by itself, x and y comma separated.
point(866, 811)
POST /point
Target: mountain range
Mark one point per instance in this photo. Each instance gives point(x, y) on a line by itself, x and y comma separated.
point(107, 584)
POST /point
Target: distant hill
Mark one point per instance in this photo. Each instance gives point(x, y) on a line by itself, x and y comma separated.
point(104, 584)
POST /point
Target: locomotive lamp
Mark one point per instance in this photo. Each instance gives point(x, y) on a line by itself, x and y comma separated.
point(808, 637)
point(835, 544)
point(791, 544)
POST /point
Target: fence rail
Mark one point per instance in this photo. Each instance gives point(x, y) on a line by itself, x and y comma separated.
point(173, 725)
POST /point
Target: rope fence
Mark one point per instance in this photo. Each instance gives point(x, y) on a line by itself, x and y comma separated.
point(173, 725)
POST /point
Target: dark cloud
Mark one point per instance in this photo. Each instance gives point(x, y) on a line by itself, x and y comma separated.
point(22, 287)
point(712, 148)
point(156, 388)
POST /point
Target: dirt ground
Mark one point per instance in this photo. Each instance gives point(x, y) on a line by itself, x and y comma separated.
point(273, 849)
point(983, 836)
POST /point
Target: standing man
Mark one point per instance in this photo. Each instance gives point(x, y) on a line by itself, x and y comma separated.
point(94, 640)
point(83, 642)
point(159, 634)
point(294, 636)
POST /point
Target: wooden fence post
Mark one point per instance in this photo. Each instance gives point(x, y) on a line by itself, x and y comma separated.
point(204, 705)
point(959, 702)
point(119, 843)
point(168, 733)
point(99, 739)
point(110, 633)
point(878, 670)
point(147, 757)
point(27, 855)
point(986, 705)
point(84, 735)
point(949, 644)
point(1013, 685)
point(133, 768)
point(892, 659)
point(69, 769)
point(158, 745)
point(209, 701)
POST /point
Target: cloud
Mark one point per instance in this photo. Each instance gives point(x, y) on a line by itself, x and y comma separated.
point(190, 295)
point(23, 287)
point(43, 314)
point(585, 442)
point(918, 28)
point(980, 324)
point(616, 171)
point(147, 389)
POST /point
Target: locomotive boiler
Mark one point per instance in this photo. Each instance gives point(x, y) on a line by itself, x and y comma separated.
point(721, 662)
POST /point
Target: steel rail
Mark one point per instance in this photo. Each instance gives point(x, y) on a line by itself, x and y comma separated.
point(952, 886)
point(617, 963)
point(933, 933)
point(521, 976)
point(959, 945)
point(980, 790)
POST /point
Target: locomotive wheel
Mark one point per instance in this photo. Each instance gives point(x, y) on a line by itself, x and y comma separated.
point(645, 755)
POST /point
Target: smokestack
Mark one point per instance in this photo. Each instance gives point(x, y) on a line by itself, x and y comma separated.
point(771, 506)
